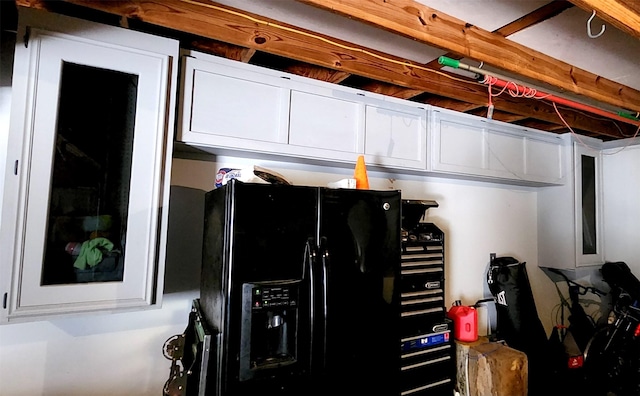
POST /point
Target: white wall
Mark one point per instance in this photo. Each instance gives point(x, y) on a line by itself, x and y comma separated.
point(118, 354)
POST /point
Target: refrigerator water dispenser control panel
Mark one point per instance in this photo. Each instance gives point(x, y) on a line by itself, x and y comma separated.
point(265, 297)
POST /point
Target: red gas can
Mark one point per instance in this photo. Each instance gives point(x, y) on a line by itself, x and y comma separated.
point(465, 322)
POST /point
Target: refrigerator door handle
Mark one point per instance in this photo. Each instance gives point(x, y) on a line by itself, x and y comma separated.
point(324, 279)
point(309, 278)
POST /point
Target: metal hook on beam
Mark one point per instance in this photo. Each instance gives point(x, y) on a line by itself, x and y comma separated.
point(589, 27)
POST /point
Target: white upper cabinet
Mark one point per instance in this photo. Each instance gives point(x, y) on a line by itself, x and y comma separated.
point(232, 105)
point(475, 147)
point(86, 192)
point(570, 217)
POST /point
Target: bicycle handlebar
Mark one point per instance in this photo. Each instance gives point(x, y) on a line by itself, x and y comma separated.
point(582, 290)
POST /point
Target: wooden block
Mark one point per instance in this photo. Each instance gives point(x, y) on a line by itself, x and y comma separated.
point(490, 369)
point(462, 356)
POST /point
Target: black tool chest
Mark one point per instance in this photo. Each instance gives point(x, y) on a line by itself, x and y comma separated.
point(427, 347)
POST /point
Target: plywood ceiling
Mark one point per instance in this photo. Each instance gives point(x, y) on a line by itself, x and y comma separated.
point(392, 46)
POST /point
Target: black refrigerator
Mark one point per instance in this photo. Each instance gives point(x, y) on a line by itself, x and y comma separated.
point(300, 289)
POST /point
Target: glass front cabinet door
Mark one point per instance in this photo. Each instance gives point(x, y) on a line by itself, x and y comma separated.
point(588, 206)
point(85, 202)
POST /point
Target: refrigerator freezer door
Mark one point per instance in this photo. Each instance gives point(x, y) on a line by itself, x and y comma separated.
point(256, 239)
point(270, 227)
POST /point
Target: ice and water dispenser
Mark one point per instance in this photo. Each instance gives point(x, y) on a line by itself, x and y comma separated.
point(270, 325)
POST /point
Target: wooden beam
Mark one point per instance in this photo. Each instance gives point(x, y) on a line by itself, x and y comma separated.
point(317, 72)
point(391, 90)
point(451, 104)
point(430, 26)
point(541, 125)
point(536, 16)
point(498, 115)
point(244, 55)
point(533, 18)
point(623, 14)
point(248, 30)
point(228, 51)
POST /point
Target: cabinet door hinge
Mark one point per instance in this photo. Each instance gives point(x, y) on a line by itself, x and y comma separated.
point(27, 33)
point(4, 301)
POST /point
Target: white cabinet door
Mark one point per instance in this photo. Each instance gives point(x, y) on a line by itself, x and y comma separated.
point(588, 205)
point(457, 145)
point(478, 148)
point(543, 160)
point(326, 123)
point(86, 187)
point(396, 135)
point(504, 154)
point(228, 104)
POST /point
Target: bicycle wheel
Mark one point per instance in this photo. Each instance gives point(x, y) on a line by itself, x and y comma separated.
point(612, 364)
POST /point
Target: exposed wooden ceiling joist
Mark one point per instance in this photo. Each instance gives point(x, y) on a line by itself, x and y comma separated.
point(533, 18)
point(391, 90)
point(332, 58)
point(541, 14)
point(546, 11)
point(419, 22)
point(498, 115)
point(541, 125)
point(225, 50)
point(451, 104)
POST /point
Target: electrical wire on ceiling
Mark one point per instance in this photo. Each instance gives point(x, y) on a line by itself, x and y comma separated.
point(516, 90)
